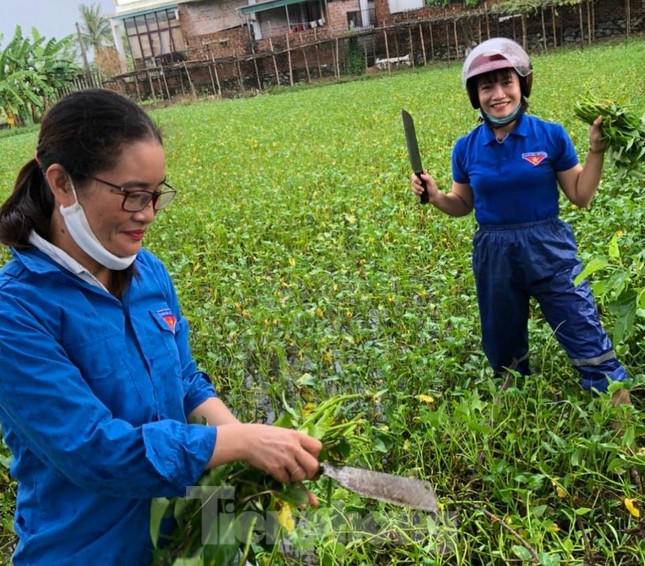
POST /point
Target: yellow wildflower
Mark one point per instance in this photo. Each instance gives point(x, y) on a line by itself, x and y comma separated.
point(631, 507)
point(285, 518)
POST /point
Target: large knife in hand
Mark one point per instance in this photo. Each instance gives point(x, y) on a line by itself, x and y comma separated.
point(413, 152)
point(408, 492)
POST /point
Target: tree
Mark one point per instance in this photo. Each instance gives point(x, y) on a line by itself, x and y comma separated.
point(95, 27)
point(33, 70)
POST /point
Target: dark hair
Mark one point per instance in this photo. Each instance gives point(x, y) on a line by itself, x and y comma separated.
point(494, 76)
point(84, 132)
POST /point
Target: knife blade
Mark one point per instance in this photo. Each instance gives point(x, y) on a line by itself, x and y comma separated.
point(413, 152)
point(407, 492)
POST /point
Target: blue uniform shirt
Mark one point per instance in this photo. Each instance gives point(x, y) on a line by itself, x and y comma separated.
point(94, 393)
point(514, 182)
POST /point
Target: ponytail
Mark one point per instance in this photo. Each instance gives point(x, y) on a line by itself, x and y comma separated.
point(28, 208)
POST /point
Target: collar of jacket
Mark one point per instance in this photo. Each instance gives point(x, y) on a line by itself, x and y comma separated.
point(36, 261)
point(520, 129)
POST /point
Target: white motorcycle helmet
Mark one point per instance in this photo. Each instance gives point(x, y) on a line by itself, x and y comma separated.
point(491, 55)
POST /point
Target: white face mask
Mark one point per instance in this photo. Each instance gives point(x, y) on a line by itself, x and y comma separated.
point(80, 231)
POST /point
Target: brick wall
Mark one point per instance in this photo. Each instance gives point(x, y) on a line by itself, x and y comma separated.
point(337, 13)
point(381, 11)
point(227, 43)
point(210, 16)
point(295, 38)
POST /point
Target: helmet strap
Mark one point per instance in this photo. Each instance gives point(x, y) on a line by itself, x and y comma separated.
point(501, 122)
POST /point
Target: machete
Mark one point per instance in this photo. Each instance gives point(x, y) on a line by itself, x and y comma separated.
point(413, 152)
point(408, 492)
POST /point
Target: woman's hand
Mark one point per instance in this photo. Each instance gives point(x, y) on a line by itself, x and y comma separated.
point(596, 143)
point(417, 187)
point(286, 454)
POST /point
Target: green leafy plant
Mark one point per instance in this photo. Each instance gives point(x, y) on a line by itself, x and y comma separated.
point(307, 270)
point(623, 131)
point(355, 59)
point(254, 511)
point(31, 71)
point(622, 287)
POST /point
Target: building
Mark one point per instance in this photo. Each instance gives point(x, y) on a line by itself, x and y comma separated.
point(155, 32)
point(159, 31)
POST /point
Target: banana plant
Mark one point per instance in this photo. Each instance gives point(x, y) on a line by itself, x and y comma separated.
point(32, 70)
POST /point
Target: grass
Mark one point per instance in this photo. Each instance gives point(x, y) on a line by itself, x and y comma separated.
point(307, 269)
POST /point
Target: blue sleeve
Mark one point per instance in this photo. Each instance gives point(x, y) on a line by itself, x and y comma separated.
point(459, 173)
point(566, 157)
point(197, 384)
point(47, 404)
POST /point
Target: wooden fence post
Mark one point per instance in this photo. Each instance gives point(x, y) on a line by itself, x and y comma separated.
point(190, 81)
point(289, 60)
point(136, 85)
point(159, 80)
point(387, 52)
point(275, 63)
point(210, 75)
point(304, 55)
point(411, 47)
point(454, 29)
point(337, 61)
point(317, 54)
point(219, 86)
point(255, 61)
point(152, 88)
point(423, 46)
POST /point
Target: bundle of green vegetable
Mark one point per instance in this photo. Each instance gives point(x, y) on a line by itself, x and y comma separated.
point(238, 513)
point(623, 132)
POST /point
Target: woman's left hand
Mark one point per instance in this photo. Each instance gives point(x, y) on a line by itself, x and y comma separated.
point(596, 143)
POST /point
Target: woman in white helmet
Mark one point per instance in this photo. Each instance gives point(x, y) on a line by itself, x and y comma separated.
point(508, 170)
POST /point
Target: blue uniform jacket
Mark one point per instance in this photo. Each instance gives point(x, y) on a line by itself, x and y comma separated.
point(516, 181)
point(94, 394)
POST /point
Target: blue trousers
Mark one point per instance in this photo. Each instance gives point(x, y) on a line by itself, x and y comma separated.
point(515, 262)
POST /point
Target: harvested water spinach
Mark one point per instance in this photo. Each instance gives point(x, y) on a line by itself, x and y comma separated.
point(623, 132)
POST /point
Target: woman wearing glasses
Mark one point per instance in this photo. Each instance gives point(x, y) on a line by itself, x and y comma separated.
point(97, 381)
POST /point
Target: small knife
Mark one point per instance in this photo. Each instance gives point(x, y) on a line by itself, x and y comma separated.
point(413, 152)
point(408, 492)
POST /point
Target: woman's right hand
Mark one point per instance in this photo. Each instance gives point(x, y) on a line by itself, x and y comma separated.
point(417, 187)
point(288, 455)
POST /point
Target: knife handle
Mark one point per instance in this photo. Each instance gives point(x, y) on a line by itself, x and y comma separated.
point(424, 195)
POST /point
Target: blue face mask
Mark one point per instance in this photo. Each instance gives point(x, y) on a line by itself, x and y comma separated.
point(499, 122)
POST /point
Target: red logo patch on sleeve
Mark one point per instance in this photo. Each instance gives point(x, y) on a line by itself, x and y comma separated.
point(171, 321)
point(535, 157)
point(169, 318)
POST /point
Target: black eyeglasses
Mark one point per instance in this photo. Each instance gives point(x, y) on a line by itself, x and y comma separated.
point(135, 199)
